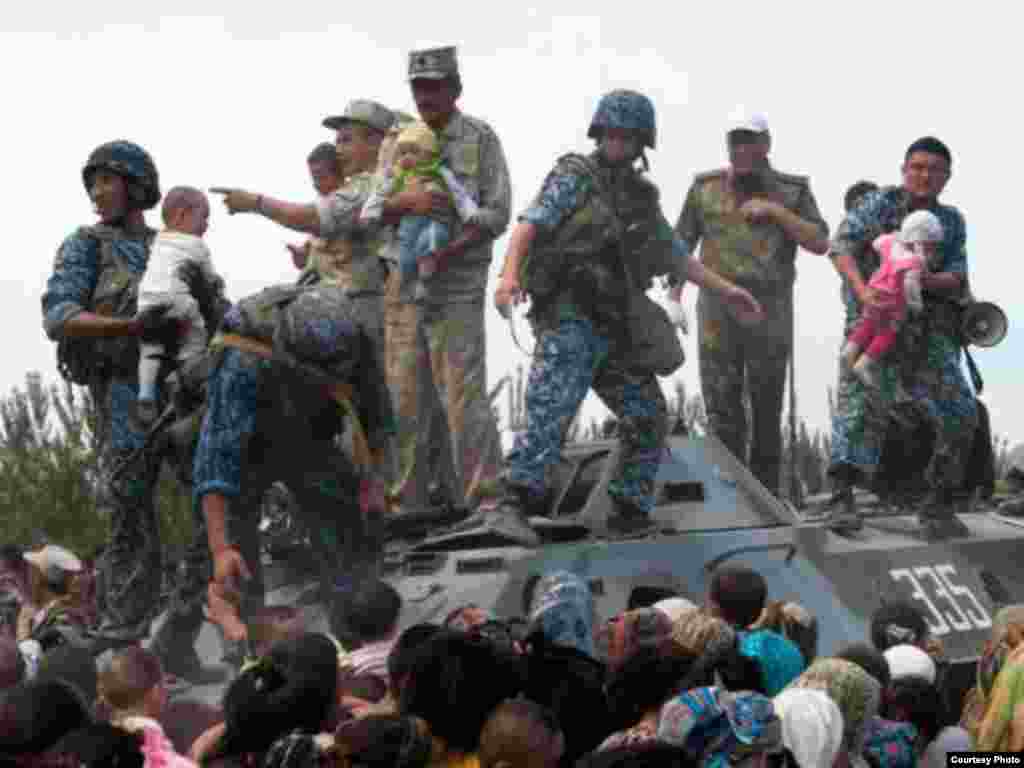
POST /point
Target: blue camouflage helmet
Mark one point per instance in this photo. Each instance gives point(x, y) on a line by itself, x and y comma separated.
point(626, 110)
point(131, 162)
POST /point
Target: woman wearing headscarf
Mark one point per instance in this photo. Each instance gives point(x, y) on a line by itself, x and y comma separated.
point(719, 728)
point(855, 692)
point(996, 714)
point(812, 726)
point(1007, 634)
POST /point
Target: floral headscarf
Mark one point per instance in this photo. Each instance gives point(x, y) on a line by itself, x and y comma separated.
point(696, 632)
point(854, 690)
point(629, 631)
point(890, 744)
point(720, 726)
point(1001, 727)
point(563, 609)
point(1007, 634)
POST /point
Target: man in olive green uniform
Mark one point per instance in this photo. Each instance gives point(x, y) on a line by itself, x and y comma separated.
point(450, 337)
point(424, 446)
point(750, 219)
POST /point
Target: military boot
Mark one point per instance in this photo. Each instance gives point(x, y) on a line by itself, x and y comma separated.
point(937, 516)
point(175, 645)
point(505, 520)
point(1013, 507)
point(841, 513)
point(628, 519)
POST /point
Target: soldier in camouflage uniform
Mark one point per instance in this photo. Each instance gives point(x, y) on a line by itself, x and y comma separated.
point(586, 250)
point(344, 253)
point(925, 378)
point(444, 338)
point(274, 419)
point(89, 309)
point(750, 218)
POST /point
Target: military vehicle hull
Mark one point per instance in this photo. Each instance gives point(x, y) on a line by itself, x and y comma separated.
point(711, 510)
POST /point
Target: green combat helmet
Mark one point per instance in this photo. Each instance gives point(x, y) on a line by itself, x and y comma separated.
point(131, 162)
point(626, 110)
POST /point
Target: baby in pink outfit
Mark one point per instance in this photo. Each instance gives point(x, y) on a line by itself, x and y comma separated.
point(896, 284)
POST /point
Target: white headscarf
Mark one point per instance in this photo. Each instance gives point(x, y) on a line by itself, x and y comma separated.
point(910, 661)
point(812, 726)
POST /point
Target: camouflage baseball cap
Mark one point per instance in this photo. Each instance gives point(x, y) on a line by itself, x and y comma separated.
point(362, 111)
point(433, 64)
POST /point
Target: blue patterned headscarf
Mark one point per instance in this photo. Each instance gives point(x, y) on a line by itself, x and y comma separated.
point(563, 610)
point(719, 727)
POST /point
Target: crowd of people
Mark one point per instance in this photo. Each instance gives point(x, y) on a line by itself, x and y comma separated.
point(736, 680)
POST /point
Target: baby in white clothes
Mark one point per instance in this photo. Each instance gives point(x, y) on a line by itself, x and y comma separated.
point(186, 214)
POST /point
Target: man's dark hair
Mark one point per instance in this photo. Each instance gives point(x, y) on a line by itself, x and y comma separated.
point(403, 652)
point(856, 193)
point(647, 755)
point(293, 687)
point(932, 146)
point(740, 593)
point(325, 153)
point(897, 623)
point(370, 611)
point(869, 659)
point(645, 680)
point(102, 744)
point(454, 684)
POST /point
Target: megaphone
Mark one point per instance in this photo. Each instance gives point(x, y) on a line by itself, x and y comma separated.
point(984, 324)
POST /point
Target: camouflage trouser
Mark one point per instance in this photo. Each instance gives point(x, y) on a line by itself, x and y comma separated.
point(424, 445)
point(131, 564)
point(731, 355)
point(569, 360)
point(278, 446)
point(936, 392)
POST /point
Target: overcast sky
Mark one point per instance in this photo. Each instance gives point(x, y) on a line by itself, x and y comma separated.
point(235, 96)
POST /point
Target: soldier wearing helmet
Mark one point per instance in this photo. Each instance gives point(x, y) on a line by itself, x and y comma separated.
point(749, 219)
point(89, 309)
point(585, 251)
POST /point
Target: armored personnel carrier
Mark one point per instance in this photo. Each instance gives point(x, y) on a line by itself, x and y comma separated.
point(710, 510)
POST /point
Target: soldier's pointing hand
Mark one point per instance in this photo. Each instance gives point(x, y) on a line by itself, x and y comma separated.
point(237, 200)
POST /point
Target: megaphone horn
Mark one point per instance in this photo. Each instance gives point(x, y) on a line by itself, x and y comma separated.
point(984, 324)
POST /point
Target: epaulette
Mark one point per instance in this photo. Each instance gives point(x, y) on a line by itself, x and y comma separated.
point(700, 178)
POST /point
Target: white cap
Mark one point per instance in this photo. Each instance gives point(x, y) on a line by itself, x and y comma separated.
point(910, 661)
point(743, 119)
point(53, 557)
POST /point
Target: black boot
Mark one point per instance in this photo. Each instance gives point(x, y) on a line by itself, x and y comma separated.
point(937, 516)
point(628, 519)
point(175, 646)
point(841, 513)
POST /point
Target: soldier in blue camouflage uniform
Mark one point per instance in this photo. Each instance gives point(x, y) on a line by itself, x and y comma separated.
point(273, 420)
point(592, 215)
point(926, 378)
point(89, 309)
